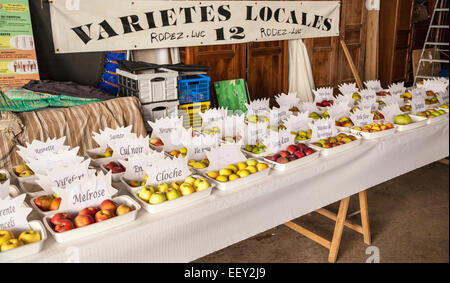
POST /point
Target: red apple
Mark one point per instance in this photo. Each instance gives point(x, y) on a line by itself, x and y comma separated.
point(55, 204)
point(309, 151)
point(110, 165)
point(108, 205)
point(91, 211)
point(43, 202)
point(299, 154)
point(282, 160)
point(103, 215)
point(64, 225)
point(83, 220)
point(58, 217)
point(291, 149)
point(117, 169)
point(283, 153)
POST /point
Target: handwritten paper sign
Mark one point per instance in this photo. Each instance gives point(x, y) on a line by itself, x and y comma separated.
point(361, 117)
point(37, 148)
point(136, 165)
point(443, 97)
point(63, 176)
point(368, 94)
point(323, 93)
point(51, 161)
point(109, 136)
point(224, 155)
point(234, 126)
point(167, 170)
point(299, 122)
point(259, 107)
point(398, 88)
point(13, 214)
point(348, 89)
point(308, 107)
point(4, 185)
point(418, 104)
point(339, 110)
point(173, 140)
point(323, 128)
point(370, 105)
point(390, 111)
point(213, 118)
point(255, 132)
point(277, 141)
point(287, 100)
point(165, 125)
point(344, 99)
point(418, 92)
point(127, 148)
point(198, 145)
point(393, 99)
point(277, 115)
point(373, 85)
point(90, 192)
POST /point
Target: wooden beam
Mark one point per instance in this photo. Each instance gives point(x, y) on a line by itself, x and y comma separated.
point(338, 229)
point(365, 217)
point(333, 216)
point(372, 45)
point(352, 64)
point(305, 232)
point(444, 161)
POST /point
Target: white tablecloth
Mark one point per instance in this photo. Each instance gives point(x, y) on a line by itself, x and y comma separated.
point(225, 218)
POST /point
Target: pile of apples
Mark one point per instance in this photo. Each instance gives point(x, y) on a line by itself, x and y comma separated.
point(198, 164)
point(232, 139)
point(406, 96)
point(115, 167)
point(108, 153)
point(374, 127)
point(9, 242)
point(431, 100)
point(23, 171)
point(406, 108)
point(325, 103)
point(317, 116)
point(236, 171)
point(47, 203)
point(383, 93)
point(212, 131)
point(156, 142)
point(302, 135)
point(62, 222)
point(165, 192)
point(256, 119)
point(3, 178)
point(256, 149)
point(344, 122)
point(431, 113)
point(176, 153)
point(338, 140)
point(356, 96)
point(377, 115)
point(444, 106)
point(292, 153)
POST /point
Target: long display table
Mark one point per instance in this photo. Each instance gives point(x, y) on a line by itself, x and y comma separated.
point(227, 217)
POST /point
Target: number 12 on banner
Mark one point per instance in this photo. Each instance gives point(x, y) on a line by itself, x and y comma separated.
point(236, 33)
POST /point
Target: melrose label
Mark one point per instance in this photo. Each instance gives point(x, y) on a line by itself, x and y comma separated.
point(88, 196)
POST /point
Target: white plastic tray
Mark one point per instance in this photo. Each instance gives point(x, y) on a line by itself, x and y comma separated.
point(129, 188)
point(32, 189)
point(343, 129)
point(446, 110)
point(341, 148)
point(95, 228)
point(435, 119)
point(174, 203)
point(371, 136)
point(99, 161)
point(26, 250)
point(157, 148)
point(41, 212)
point(114, 176)
point(241, 182)
point(254, 155)
point(417, 122)
point(21, 179)
point(294, 164)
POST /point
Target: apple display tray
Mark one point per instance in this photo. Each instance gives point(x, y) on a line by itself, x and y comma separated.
point(21, 179)
point(95, 228)
point(99, 161)
point(294, 164)
point(115, 177)
point(343, 129)
point(254, 155)
point(26, 250)
point(417, 122)
point(41, 212)
point(241, 182)
point(156, 148)
point(371, 136)
point(174, 203)
point(338, 149)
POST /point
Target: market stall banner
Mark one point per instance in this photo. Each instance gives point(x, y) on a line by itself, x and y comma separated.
point(89, 25)
point(18, 63)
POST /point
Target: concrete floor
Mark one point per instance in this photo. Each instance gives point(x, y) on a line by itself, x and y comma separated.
point(409, 219)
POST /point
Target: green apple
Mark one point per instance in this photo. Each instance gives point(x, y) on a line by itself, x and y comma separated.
point(402, 119)
point(157, 197)
point(253, 118)
point(29, 237)
point(145, 193)
point(172, 194)
point(201, 184)
point(186, 189)
point(163, 188)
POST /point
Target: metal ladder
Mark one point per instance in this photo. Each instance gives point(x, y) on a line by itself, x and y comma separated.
point(441, 11)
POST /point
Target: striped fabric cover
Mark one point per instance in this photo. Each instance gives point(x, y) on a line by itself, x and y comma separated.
point(76, 123)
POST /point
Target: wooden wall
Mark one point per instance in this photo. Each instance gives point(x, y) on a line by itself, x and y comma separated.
point(265, 64)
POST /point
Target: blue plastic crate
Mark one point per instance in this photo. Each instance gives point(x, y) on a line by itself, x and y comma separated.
point(107, 76)
point(193, 89)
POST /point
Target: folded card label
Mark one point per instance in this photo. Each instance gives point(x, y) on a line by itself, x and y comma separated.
point(259, 106)
point(234, 126)
point(348, 89)
point(198, 145)
point(63, 176)
point(224, 155)
point(299, 122)
point(370, 105)
point(167, 170)
point(323, 93)
point(38, 148)
point(418, 92)
point(443, 97)
point(13, 214)
point(92, 191)
point(398, 88)
point(213, 118)
point(361, 117)
point(165, 125)
point(323, 128)
point(288, 100)
point(368, 94)
point(136, 165)
point(276, 141)
point(173, 140)
point(255, 132)
point(308, 107)
point(109, 136)
point(344, 99)
point(127, 148)
point(277, 115)
point(339, 110)
point(418, 104)
point(51, 161)
point(390, 111)
point(373, 85)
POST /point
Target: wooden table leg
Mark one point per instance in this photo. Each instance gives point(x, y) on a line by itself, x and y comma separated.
point(365, 217)
point(338, 229)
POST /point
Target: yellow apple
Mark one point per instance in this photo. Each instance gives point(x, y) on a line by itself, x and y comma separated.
point(190, 180)
point(163, 188)
point(243, 173)
point(213, 174)
point(252, 169)
point(175, 185)
point(145, 193)
point(107, 154)
point(172, 194)
point(192, 162)
point(201, 185)
point(183, 150)
point(241, 165)
point(232, 168)
point(122, 209)
point(10, 244)
point(20, 168)
point(5, 236)
point(233, 177)
point(157, 197)
point(26, 173)
point(199, 165)
point(29, 237)
point(262, 166)
point(225, 172)
point(222, 178)
point(252, 162)
point(186, 189)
